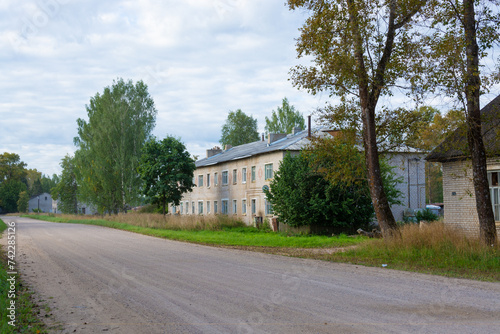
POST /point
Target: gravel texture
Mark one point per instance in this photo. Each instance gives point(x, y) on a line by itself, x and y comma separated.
point(99, 280)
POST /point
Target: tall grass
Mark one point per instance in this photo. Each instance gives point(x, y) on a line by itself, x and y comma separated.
point(435, 248)
point(168, 222)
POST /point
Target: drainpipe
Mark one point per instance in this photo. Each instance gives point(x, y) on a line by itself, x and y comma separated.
point(309, 126)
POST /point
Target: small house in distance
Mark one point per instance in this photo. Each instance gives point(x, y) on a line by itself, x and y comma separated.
point(42, 202)
point(458, 188)
point(231, 181)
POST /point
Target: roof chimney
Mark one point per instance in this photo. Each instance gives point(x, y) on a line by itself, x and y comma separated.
point(272, 137)
point(213, 151)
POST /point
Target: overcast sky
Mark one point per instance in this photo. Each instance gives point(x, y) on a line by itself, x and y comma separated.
point(200, 59)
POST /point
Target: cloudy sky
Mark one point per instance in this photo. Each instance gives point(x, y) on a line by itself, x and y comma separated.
point(200, 59)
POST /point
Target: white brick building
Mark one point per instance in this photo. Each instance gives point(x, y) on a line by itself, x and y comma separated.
point(458, 189)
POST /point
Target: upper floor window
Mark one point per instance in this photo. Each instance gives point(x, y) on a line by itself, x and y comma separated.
point(200, 180)
point(208, 180)
point(225, 178)
point(244, 175)
point(268, 171)
point(216, 178)
point(235, 176)
point(253, 174)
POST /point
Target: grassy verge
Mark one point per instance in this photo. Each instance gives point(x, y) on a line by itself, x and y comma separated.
point(26, 320)
point(434, 249)
point(221, 235)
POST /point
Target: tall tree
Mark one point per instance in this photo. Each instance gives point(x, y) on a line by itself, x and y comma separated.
point(23, 202)
point(463, 34)
point(120, 121)
point(360, 50)
point(239, 129)
point(12, 180)
point(66, 190)
point(285, 119)
point(167, 171)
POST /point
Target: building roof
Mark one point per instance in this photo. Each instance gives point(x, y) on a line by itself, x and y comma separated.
point(455, 146)
point(292, 142)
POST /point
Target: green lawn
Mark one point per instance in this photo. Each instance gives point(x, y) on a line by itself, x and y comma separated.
point(228, 236)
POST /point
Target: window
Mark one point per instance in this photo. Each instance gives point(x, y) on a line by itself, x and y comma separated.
point(244, 206)
point(200, 180)
point(268, 171)
point(215, 207)
point(208, 180)
point(494, 179)
point(182, 208)
point(216, 179)
point(224, 207)
point(235, 176)
point(200, 207)
point(187, 207)
point(244, 175)
point(225, 180)
point(269, 208)
point(208, 206)
point(192, 208)
point(174, 209)
point(253, 173)
point(235, 207)
point(254, 206)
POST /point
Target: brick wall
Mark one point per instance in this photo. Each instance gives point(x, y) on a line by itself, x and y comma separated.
point(458, 193)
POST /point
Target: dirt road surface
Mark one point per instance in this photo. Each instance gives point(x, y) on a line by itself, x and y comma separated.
point(99, 280)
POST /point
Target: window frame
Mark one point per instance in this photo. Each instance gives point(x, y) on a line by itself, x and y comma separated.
point(226, 174)
point(244, 175)
point(200, 180)
point(495, 193)
point(266, 171)
point(253, 176)
point(244, 206)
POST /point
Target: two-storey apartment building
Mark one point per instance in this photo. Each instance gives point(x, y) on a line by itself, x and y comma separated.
point(231, 181)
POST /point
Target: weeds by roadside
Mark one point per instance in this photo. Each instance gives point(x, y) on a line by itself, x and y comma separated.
point(433, 248)
point(26, 311)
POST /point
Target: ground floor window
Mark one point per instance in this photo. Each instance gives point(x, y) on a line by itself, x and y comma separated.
point(235, 206)
point(269, 208)
point(244, 206)
point(208, 206)
point(215, 207)
point(493, 179)
point(182, 208)
point(200, 207)
point(224, 208)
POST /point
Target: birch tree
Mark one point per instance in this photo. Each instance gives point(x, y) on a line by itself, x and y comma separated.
point(120, 121)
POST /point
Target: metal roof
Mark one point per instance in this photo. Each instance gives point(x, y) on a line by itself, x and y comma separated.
point(292, 142)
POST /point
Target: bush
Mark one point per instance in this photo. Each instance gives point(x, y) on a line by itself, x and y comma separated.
point(426, 215)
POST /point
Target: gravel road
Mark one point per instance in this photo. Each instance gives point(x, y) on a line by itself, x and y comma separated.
point(103, 280)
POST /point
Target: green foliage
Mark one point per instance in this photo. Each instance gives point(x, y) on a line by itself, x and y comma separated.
point(239, 129)
point(120, 121)
point(66, 189)
point(23, 202)
point(301, 196)
point(426, 215)
point(9, 194)
point(167, 171)
point(285, 119)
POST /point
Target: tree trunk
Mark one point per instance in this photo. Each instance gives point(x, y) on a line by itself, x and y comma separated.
point(368, 103)
point(487, 228)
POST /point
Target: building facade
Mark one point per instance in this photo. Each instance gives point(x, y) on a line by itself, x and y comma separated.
point(231, 181)
point(42, 202)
